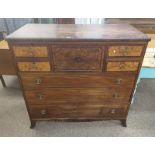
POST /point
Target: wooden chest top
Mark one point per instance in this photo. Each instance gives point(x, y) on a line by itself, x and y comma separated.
point(72, 32)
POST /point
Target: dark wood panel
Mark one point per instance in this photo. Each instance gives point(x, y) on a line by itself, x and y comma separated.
point(75, 58)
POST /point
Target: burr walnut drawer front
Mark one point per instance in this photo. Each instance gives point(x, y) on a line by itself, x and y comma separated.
point(125, 51)
point(75, 111)
point(122, 66)
point(77, 95)
point(39, 81)
point(33, 66)
point(75, 58)
point(30, 51)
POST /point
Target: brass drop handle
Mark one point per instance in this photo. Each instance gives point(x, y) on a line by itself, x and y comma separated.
point(113, 111)
point(40, 96)
point(115, 95)
point(118, 81)
point(38, 81)
point(43, 112)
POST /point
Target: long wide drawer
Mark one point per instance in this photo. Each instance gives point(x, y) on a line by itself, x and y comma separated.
point(72, 112)
point(77, 95)
point(38, 81)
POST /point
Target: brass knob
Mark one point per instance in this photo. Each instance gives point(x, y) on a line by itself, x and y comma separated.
point(113, 111)
point(125, 51)
point(114, 51)
point(40, 96)
point(118, 81)
point(122, 65)
point(30, 51)
point(115, 95)
point(34, 65)
point(43, 112)
point(38, 81)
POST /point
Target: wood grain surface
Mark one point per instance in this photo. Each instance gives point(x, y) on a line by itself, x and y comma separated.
point(33, 66)
point(125, 50)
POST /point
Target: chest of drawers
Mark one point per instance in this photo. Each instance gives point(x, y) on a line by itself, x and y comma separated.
point(78, 72)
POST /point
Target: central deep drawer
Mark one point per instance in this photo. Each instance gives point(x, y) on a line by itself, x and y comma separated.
point(77, 58)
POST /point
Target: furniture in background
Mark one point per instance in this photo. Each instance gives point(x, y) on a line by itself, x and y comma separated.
point(75, 73)
point(148, 66)
point(146, 25)
point(7, 66)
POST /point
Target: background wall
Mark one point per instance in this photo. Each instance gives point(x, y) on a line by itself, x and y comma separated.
point(9, 25)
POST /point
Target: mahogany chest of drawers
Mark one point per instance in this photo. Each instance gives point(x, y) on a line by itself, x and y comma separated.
point(78, 72)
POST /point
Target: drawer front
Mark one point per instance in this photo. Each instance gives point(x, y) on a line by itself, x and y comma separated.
point(71, 112)
point(33, 66)
point(122, 66)
point(125, 50)
point(30, 51)
point(40, 81)
point(77, 59)
point(77, 95)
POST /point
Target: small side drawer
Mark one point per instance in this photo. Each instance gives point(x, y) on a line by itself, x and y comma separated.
point(125, 50)
point(33, 66)
point(30, 51)
point(122, 66)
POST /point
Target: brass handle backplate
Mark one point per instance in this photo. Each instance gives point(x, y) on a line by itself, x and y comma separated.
point(118, 81)
point(40, 96)
point(113, 111)
point(38, 81)
point(115, 95)
point(43, 112)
